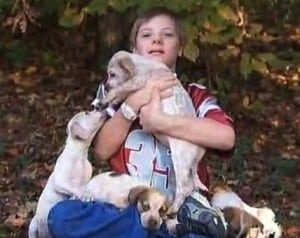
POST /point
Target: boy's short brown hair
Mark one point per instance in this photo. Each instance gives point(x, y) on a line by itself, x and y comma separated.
point(153, 12)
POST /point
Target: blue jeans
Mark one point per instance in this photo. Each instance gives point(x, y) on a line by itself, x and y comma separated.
point(74, 218)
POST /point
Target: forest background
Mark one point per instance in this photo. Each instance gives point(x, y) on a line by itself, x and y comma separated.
point(53, 54)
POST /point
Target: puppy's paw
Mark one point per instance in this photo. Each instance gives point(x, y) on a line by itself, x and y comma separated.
point(171, 225)
point(87, 196)
point(74, 197)
point(172, 212)
point(87, 199)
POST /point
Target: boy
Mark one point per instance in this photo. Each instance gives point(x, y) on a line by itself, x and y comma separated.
point(158, 34)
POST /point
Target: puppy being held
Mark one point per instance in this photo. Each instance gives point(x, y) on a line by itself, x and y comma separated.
point(121, 190)
point(243, 218)
point(128, 72)
point(72, 169)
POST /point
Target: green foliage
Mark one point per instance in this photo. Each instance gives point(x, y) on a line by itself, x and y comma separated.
point(228, 37)
point(4, 6)
point(3, 145)
point(285, 167)
point(71, 17)
point(242, 149)
point(276, 183)
point(15, 52)
point(191, 51)
point(47, 7)
point(52, 59)
point(4, 231)
point(97, 6)
point(245, 64)
point(22, 162)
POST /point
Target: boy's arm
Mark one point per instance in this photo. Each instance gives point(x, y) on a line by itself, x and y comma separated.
point(206, 132)
point(212, 128)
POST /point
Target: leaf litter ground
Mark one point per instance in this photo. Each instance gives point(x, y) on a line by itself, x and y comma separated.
point(34, 112)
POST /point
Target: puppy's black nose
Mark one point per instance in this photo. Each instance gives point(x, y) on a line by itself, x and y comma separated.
point(99, 103)
point(272, 235)
point(96, 106)
point(103, 104)
point(152, 224)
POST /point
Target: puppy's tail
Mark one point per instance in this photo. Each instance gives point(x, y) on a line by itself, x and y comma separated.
point(33, 228)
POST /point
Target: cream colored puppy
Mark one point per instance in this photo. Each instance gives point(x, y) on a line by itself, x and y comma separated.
point(72, 169)
point(122, 190)
point(243, 218)
point(128, 72)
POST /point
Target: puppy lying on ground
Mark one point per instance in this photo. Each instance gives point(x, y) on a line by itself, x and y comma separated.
point(72, 169)
point(122, 190)
point(127, 73)
point(243, 218)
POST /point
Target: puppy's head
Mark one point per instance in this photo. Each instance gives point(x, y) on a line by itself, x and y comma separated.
point(271, 228)
point(84, 125)
point(124, 67)
point(265, 213)
point(120, 69)
point(240, 221)
point(152, 206)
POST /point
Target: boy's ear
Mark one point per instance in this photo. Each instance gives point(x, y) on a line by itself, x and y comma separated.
point(180, 51)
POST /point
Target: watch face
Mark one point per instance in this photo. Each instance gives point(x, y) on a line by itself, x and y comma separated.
point(128, 112)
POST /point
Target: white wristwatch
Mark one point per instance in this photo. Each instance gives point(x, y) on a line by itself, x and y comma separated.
point(128, 112)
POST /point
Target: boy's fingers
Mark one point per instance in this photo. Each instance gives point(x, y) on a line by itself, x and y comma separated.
point(161, 75)
point(167, 83)
point(155, 95)
point(166, 93)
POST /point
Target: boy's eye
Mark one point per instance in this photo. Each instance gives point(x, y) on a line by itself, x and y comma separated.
point(169, 34)
point(146, 35)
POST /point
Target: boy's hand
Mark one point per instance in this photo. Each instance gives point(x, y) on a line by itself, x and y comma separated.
point(151, 114)
point(163, 82)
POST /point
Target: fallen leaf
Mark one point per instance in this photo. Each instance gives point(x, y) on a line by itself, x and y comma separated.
point(15, 221)
point(31, 70)
point(13, 152)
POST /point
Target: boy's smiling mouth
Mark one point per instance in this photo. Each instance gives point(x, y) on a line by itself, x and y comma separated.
point(156, 52)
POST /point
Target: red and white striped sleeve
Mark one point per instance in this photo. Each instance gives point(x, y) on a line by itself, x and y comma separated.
point(206, 104)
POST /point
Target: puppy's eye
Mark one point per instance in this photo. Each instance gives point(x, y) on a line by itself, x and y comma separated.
point(163, 211)
point(111, 74)
point(145, 206)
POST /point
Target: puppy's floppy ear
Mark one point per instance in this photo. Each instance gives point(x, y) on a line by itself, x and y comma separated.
point(78, 132)
point(126, 63)
point(221, 188)
point(135, 192)
point(240, 220)
point(233, 217)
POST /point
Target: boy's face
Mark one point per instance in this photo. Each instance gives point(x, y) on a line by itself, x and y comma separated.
point(157, 39)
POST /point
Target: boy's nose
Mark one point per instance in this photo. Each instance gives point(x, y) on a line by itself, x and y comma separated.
point(157, 39)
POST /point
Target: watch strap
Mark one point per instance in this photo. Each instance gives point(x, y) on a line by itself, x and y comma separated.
point(128, 112)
